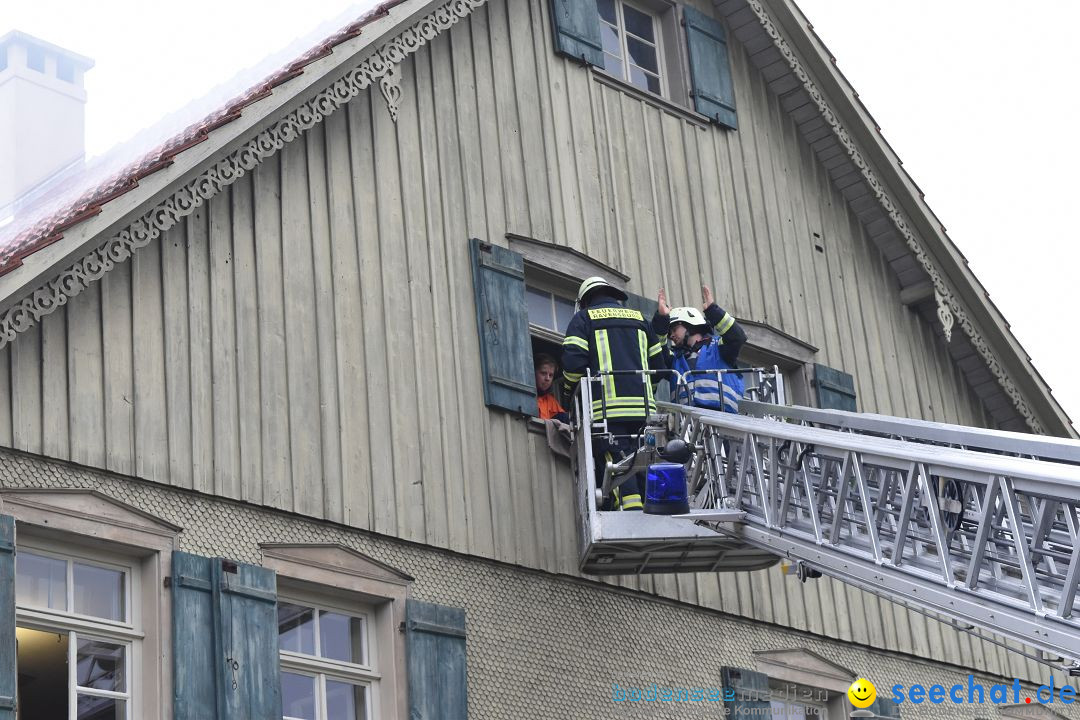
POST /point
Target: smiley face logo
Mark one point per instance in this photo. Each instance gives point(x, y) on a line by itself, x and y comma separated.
point(862, 693)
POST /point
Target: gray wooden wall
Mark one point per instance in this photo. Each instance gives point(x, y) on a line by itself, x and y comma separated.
point(307, 340)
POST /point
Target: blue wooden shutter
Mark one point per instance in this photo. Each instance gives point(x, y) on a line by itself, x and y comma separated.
point(249, 632)
point(225, 659)
point(835, 389)
point(577, 30)
point(710, 69)
point(746, 693)
point(8, 678)
point(435, 643)
point(503, 319)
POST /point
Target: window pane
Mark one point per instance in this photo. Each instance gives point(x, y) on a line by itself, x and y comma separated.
point(298, 696)
point(539, 304)
point(296, 628)
point(644, 80)
point(42, 659)
point(100, 665)
point(342, 637)
point(99, 708)
point(564, 310)
point(606, 8)
point(345, 701)
point(612, 66)
point(99, 592)
point(40, 581)
point(610, 40)
point(642, 54)
point(638, 23)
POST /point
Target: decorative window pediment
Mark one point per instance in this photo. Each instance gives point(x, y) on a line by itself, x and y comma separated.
point(800, 666)
point(88, 512)
point(331, 557)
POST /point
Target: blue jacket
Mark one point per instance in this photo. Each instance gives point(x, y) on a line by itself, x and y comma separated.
point(719, 351)
point(708, 389)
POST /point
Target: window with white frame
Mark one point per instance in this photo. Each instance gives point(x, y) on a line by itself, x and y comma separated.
point(548, 310)
point(328, 661)
point(77, 634)
point(631, 38)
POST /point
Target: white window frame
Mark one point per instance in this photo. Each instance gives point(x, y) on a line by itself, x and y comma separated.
point(336, 578)
point(95, 529)
point(658, 33)
point(543, 331)
point(127, 632)
point(366, 673)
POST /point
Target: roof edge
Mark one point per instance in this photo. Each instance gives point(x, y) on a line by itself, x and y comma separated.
point(176, 186)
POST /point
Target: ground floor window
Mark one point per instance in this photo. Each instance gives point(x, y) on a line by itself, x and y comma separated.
point(327, 662)
point(74, 637)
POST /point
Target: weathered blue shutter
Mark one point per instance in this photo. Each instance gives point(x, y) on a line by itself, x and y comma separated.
point(835, 389)
point(435, 643)
point(647, 308)
point(746, 693)
point(577, 30)
point(8, 678)
point(225, 659)
point(710, 69)
point(885, 708)
point(503, 319)
point(249, 632)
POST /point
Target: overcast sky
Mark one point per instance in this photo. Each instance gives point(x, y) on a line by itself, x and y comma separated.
point(976, 96)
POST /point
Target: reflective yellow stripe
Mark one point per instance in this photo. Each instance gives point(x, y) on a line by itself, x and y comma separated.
point(631, 502)
point(655, 349)
point(643, 346)
point(623, 402)
point(725, 323)
point(603, 354)
point(618, 413)
point(576, 342)
point(571, 377)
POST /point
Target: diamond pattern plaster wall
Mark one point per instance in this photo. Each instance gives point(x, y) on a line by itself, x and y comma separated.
point(539, 645)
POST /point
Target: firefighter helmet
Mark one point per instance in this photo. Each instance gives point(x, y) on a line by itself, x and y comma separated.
point(595, 282)
point(689, 316)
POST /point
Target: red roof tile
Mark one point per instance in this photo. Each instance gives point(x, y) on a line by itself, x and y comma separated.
point(81, 194)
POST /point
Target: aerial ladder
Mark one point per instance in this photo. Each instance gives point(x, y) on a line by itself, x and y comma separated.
point(979, 526)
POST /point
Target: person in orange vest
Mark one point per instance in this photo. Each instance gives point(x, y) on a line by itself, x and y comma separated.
point(546, 367)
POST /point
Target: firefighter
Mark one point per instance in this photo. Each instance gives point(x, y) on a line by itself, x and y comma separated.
point(604, 335)
point(703, 340)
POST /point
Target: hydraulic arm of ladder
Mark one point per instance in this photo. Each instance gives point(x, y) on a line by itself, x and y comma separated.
point(988, 536)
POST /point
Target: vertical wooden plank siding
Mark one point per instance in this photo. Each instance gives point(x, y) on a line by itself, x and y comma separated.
point(307, 341)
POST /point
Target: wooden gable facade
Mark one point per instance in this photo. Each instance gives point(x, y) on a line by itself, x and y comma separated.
point(306, 338)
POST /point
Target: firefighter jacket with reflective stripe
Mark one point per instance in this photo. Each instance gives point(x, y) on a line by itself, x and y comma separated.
point(716, 391)
point(609, 337)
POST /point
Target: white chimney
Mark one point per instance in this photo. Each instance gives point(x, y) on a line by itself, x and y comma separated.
point(42, 116)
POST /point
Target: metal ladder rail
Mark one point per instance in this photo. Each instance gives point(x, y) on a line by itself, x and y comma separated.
point(963, 524)
point(971, 438)
point(862, 509)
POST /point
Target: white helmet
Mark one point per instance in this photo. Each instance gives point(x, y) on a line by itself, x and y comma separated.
point(689, 316)
point(594, 282)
